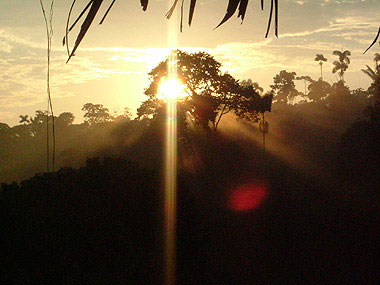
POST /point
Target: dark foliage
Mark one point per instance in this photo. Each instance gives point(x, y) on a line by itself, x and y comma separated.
point(102, 223)
point(210, 93)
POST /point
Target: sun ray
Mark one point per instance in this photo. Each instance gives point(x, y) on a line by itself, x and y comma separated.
point(171, 157)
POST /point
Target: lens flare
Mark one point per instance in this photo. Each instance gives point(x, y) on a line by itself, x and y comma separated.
point(247, 197)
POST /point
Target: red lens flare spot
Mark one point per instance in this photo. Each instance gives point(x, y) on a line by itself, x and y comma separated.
point(247, 197)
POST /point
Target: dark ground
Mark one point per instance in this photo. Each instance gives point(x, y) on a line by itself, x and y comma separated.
point(102, 223)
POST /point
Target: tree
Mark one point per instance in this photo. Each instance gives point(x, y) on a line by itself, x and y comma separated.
point(318, 89)
point(39, 118)
point(211, 93)
point(251, 103)
point(284, 87)
point(24, 119)
point(65, 119)
point(96, 113)
point(255, 85)
point(321, 59)
point(342, 63)
point(374, 88)
point(208, 89)
point(376, 60)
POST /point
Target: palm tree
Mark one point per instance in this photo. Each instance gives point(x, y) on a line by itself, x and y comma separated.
point(374, 89)
point(376, 59)
point(342, 63)
point(321, 59)
point(24, 119)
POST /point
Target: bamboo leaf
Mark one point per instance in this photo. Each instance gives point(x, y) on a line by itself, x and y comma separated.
point(108, 10)
point(276, 18)
point(231, 9)
point(81, 14)
point(171, 10)
point(191, 11)
point(86, 24)
point(242, 9)
point(270, 18)
point(144, 4)
point(65, 40)
point(374, 41)
point(181, 24)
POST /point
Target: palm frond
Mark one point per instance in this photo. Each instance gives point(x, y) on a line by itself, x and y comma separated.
point(337, 52)
point(231, 9)
point(243, 9)
point(191, 10)
point(108, 10)
point(95, 5)
point(370, 72)
point(374, 41)
point(171, 10)
point(270, 18)
point(144, 4)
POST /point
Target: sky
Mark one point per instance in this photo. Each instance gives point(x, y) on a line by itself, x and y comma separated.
point(112, 63)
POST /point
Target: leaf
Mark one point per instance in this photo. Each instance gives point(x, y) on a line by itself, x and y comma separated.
point(81, 14)
point(95, 5)
point(270, 18)
point(171, 10)
point(243, 9)
point(370, 72)
point(144, 4)
point(65, 40)
point(231, 9)
point(181, 24)
point(374, 41)
point(191, 11)
point(108, 10)
point(276, 18)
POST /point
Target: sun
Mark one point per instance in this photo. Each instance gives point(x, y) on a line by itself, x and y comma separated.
point(171, 89)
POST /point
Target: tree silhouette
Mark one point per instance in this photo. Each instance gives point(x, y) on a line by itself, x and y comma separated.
point(318, 89)
point(284, 87)
point(342, 63)
point(374, 88)
point(24, 119)
point(321, 59)
point(65, 119)
point(376, 59)
point(211, 93)
point(255, 85)
point(95, 113)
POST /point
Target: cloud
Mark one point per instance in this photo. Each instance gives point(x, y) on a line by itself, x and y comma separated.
point(5, 116)
point(5, 47)
point(7, 37)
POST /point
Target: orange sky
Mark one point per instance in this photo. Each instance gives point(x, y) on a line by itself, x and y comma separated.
point(111, 64)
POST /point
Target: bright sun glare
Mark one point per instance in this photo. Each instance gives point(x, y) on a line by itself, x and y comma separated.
point(171, 89)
